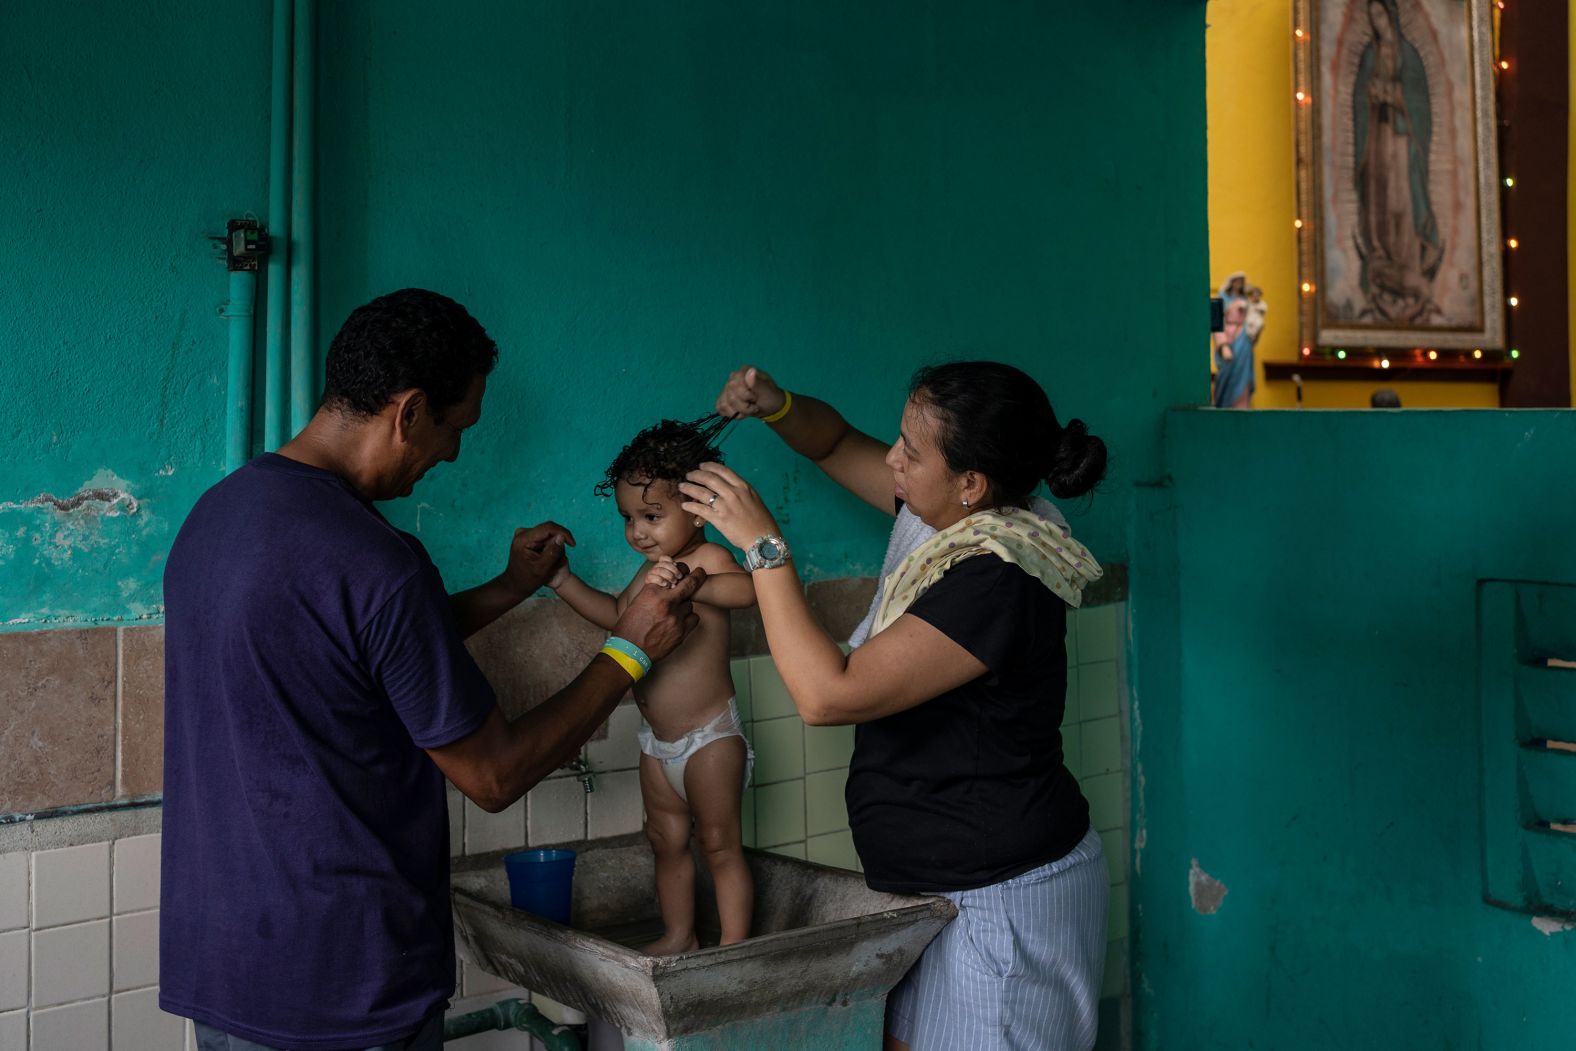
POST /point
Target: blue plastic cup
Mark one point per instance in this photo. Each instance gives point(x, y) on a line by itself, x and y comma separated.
point(540, 881)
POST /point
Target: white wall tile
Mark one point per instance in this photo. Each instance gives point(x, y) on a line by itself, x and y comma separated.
point(485, 832)
point(456, 800)
point(13, 1030)
point(556, 811)
point(618, 750)
point(615, 807)
point(75, 1027)
point(135, 950)
point(13, 890)
point(769, 698)
point(136, 1023)
point(13, 969)
point(137, 873)
point(70, 963)
point(70, 885)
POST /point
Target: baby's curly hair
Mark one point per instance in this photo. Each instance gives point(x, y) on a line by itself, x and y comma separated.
point(665, 452)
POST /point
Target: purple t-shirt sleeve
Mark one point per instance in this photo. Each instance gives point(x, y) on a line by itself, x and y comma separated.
point(414, 650)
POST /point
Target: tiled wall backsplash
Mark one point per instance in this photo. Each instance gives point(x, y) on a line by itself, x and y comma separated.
point(79, 949)
point(81, 716)
point(79, 924)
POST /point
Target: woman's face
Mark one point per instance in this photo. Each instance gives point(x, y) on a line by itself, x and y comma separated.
point(920, 474)
point(1380, 19)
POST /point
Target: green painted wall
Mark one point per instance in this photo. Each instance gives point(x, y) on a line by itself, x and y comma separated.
point(633, 197)
point(128, 135)
point(636, 197)
point(1306, 728)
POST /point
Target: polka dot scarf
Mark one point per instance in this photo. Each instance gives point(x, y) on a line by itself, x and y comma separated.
point(1044, 549)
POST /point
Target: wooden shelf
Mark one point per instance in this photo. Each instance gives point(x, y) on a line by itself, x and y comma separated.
point(1368, 369)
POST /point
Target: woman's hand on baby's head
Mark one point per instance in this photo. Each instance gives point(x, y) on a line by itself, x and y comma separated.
point(665, 573)
point(728, 502)
point(749, 392)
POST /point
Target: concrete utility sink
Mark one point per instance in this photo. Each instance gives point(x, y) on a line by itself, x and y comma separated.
point(827, 950)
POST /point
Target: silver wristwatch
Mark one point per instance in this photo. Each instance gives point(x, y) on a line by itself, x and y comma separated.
point(768, 552)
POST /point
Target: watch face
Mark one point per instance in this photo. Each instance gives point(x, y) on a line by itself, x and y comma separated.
point(769, 550)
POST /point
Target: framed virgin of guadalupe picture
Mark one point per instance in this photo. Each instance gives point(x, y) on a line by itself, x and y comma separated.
point(1398, 174)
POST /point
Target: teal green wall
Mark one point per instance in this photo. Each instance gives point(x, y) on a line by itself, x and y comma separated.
point(636, 197)
point(129, 133)
point(1306, 727)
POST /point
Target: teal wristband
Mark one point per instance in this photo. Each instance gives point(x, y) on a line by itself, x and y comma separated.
point(630, 650)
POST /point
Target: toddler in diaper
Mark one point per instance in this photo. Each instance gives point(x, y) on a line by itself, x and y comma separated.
point(694, 759)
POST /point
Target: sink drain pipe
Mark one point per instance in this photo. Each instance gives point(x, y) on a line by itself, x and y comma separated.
point(512, 1014)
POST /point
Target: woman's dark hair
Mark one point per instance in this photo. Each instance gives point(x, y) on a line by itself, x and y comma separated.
point(410, 338)
point(666, 452)
point(996, 420)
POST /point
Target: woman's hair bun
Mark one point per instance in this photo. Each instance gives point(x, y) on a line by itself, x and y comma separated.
point(1077, 462)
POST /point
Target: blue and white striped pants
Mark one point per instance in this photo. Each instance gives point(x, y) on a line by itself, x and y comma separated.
point(1019, 969)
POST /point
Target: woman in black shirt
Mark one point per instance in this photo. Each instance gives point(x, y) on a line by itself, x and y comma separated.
point(957, 785)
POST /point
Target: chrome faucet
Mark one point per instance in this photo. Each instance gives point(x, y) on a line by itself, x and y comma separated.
point(579, 765)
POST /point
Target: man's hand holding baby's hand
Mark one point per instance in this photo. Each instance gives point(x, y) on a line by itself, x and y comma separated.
point(536, 557)
point(665, 573)
point(560, 575)
point(658, 618)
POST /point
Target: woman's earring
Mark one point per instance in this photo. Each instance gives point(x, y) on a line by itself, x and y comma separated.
point(965, 503)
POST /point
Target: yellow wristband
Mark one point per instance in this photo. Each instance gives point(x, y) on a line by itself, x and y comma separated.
point(625, 661)
point(780, 413)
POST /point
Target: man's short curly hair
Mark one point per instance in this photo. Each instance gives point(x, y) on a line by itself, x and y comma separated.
point(408, 339)
point(664, 452)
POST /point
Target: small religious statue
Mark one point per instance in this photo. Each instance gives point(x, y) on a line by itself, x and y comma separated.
point(1244, 323)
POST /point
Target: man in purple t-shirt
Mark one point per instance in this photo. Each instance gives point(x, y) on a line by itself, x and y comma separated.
point(318, 693)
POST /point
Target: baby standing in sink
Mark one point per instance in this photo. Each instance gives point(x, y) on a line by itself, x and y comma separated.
point(695, 760)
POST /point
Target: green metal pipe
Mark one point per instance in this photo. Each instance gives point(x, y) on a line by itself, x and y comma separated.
point(275, 392)
point(512, 1014)
point(238, 392)
point(303, 190)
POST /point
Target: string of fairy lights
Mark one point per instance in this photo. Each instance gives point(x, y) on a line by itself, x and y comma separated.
point(1416, 356)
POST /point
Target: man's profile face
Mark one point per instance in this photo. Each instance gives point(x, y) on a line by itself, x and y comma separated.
point(431, 441)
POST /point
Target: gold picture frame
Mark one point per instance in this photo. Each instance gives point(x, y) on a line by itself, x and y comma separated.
point(1397, 175)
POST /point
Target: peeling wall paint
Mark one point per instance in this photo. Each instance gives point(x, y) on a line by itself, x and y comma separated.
point(117, 173)
point(1551, 925)
point(114, 501)
point(1205, 891)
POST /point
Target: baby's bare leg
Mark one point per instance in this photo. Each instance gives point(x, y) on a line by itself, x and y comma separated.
point(668, 831)
point(714, 781)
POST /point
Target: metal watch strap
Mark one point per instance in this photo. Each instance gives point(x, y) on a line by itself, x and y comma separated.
point(753, 559)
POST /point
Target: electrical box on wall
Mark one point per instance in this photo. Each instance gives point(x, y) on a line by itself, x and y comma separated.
point(245, 244)
point(1527, 694)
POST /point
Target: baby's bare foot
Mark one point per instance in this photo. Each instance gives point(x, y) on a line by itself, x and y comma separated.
point(671, 946)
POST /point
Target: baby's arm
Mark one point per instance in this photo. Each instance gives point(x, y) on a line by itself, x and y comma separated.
point(727, 585)
point(598, 607)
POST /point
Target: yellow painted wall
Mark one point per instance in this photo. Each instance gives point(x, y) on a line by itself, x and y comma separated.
point(1253, 199)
